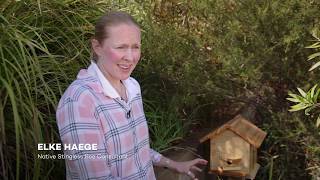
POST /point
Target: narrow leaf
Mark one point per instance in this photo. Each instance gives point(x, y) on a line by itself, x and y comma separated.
point(318, 122)
point(314, 46)
point(300, 98)
point(314, 55)
point(293, 100)
point(298, 107)
point(312, 90)
point(302, 92)
point(315, 97)
point(314, 66)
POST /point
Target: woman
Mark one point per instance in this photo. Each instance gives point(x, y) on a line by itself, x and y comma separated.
point(103, 106)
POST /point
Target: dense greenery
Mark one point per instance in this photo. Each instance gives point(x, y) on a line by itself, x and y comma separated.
point(202, 60)
point(308, 101)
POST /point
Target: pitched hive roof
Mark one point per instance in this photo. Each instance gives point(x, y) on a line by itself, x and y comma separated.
point(242, 127)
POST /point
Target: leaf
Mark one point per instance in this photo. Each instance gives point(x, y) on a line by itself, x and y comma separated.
point(318, 122)
point(302, 92)
point(315, 97)
point(314, 46)
point(314, 66)
point(298, 107)
point(314, 55)
point(308, 96)
point(312, 90)
point(293, 100)
point(300, 98)
point(293, 95)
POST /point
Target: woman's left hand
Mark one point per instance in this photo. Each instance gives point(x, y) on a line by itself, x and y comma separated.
point(189, 167)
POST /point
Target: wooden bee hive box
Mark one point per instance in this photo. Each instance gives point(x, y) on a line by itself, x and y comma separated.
point(233, 148)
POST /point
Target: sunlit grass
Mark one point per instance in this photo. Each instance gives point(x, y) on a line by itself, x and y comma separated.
point(42, 47)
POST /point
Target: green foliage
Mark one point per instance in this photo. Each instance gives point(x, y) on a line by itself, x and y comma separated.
point(291, 142)
point(235, 51)
point(236, 47)
point(308, 101)
point(165, 127)
point(316, 55)
point(197, 56)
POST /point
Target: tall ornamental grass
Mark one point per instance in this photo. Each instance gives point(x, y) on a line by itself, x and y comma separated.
point(42, 46)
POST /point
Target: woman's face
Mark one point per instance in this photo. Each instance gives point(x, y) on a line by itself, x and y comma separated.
point(118, 54)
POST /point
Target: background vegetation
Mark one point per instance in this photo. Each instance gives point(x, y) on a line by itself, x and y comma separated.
point(202, 60)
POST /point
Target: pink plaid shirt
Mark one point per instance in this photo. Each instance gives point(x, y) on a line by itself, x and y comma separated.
point(91, 112)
